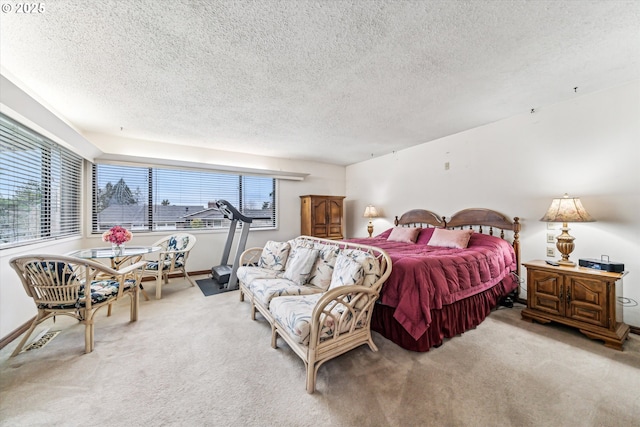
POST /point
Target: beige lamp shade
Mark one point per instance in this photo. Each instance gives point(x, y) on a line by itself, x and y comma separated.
point(564, 210)
point(370, 212)
point(567, 209)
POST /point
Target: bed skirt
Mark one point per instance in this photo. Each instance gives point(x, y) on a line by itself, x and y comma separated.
point(447, 322)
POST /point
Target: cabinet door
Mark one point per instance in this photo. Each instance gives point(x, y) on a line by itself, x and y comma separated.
point(587, 300)
point(319, 218)
point(334, 217)
point(545, 292)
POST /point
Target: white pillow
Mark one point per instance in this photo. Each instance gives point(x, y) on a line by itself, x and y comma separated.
point(346, 272)
point(300, 265)
point(274, 255)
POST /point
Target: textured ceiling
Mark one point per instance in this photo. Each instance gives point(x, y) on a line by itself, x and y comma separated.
point(332, 81)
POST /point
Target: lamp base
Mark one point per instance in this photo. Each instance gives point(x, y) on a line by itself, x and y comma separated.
point(370, 228)
point(565, 246)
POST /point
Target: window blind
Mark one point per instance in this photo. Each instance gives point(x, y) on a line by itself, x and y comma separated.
point(40, 187)
point(154, 199)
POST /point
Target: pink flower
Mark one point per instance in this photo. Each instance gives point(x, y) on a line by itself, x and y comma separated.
point(117, 235)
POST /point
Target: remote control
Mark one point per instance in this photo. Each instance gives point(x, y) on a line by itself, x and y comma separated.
point(555, 264)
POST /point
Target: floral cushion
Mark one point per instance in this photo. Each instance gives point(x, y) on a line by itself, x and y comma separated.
point(347, 271)
point(175, 244)
point(323, 268)
point(300, 264)
point(101, 291)
point(294, 314)
point(370, 265)
point(264, 290)
point(295, 244)
point(247, 274)
point(274, 255)
point(153, 265)
point(61, 271)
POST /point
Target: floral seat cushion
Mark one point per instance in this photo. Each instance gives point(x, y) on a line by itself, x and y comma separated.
point(249, 274)
point(265, 290)
point(153, 265)
point(101, 291)
point(294, 314)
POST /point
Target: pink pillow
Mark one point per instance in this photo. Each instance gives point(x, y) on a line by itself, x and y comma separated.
point(458, 239)
point(425, 236)
point(404, 234)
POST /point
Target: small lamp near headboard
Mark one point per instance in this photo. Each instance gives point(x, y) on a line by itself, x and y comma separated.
point(370, 212)
point(565, 210)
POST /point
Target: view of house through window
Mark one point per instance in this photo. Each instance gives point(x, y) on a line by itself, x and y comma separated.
point(148, 198)
point(40, 184)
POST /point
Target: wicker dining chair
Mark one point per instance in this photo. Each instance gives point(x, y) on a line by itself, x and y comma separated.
point(171, 258)
point(57, 285)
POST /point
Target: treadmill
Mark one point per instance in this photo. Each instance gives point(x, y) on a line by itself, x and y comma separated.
point(225, 274)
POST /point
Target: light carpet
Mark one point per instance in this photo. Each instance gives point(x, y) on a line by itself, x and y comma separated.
point(192, 360)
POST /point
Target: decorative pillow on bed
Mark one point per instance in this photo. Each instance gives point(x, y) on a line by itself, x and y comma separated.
point(404, 234)
point(425, 235)
point(458, 239)
point(274, 255)
point(347, 271)
point(300, 265)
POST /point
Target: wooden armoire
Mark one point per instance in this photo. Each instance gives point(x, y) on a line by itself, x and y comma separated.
point(321, 216)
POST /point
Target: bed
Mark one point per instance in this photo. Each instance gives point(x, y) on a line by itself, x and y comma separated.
point(434, 292)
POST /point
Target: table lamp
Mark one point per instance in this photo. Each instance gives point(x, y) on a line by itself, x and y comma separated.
point(565, 210)
point(370, 212)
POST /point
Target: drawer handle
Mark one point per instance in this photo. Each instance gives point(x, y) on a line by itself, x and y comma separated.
point(568, 296)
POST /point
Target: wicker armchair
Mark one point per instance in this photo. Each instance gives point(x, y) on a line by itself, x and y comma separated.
point(171, 258)
point(57, 285)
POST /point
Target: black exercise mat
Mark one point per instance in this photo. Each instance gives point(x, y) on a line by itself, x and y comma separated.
point(211, 287)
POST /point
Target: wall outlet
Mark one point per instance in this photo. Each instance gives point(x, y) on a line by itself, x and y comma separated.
point(551, 238)
point(446, 166)
point(551, 251)
point(552, 226)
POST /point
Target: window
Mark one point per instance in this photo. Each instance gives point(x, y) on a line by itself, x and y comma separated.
point(40, 184)
point(153, 199)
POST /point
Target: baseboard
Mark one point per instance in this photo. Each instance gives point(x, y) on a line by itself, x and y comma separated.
point(16, 333)
point(175, 275)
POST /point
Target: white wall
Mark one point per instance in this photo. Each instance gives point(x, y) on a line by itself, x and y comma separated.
point(16, 308)
point(588, 147)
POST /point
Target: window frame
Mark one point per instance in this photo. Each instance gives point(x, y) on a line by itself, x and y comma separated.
point(152, 202)
point(59, 205)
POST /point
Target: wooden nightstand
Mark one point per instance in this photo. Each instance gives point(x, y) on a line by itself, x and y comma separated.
point(580, 297)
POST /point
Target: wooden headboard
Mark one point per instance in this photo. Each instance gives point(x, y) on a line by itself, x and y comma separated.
point(472, 218)
point(479, 217)
point(420, 217)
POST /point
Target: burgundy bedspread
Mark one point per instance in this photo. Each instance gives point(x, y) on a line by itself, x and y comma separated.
point(426, 278)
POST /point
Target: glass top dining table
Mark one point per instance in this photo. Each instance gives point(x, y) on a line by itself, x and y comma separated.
point(128, 251)
point(117, 258)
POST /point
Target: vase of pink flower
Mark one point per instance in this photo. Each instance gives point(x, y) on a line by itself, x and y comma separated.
point(117, 236)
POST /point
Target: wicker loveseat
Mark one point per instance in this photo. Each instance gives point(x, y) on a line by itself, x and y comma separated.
point(317, 294)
